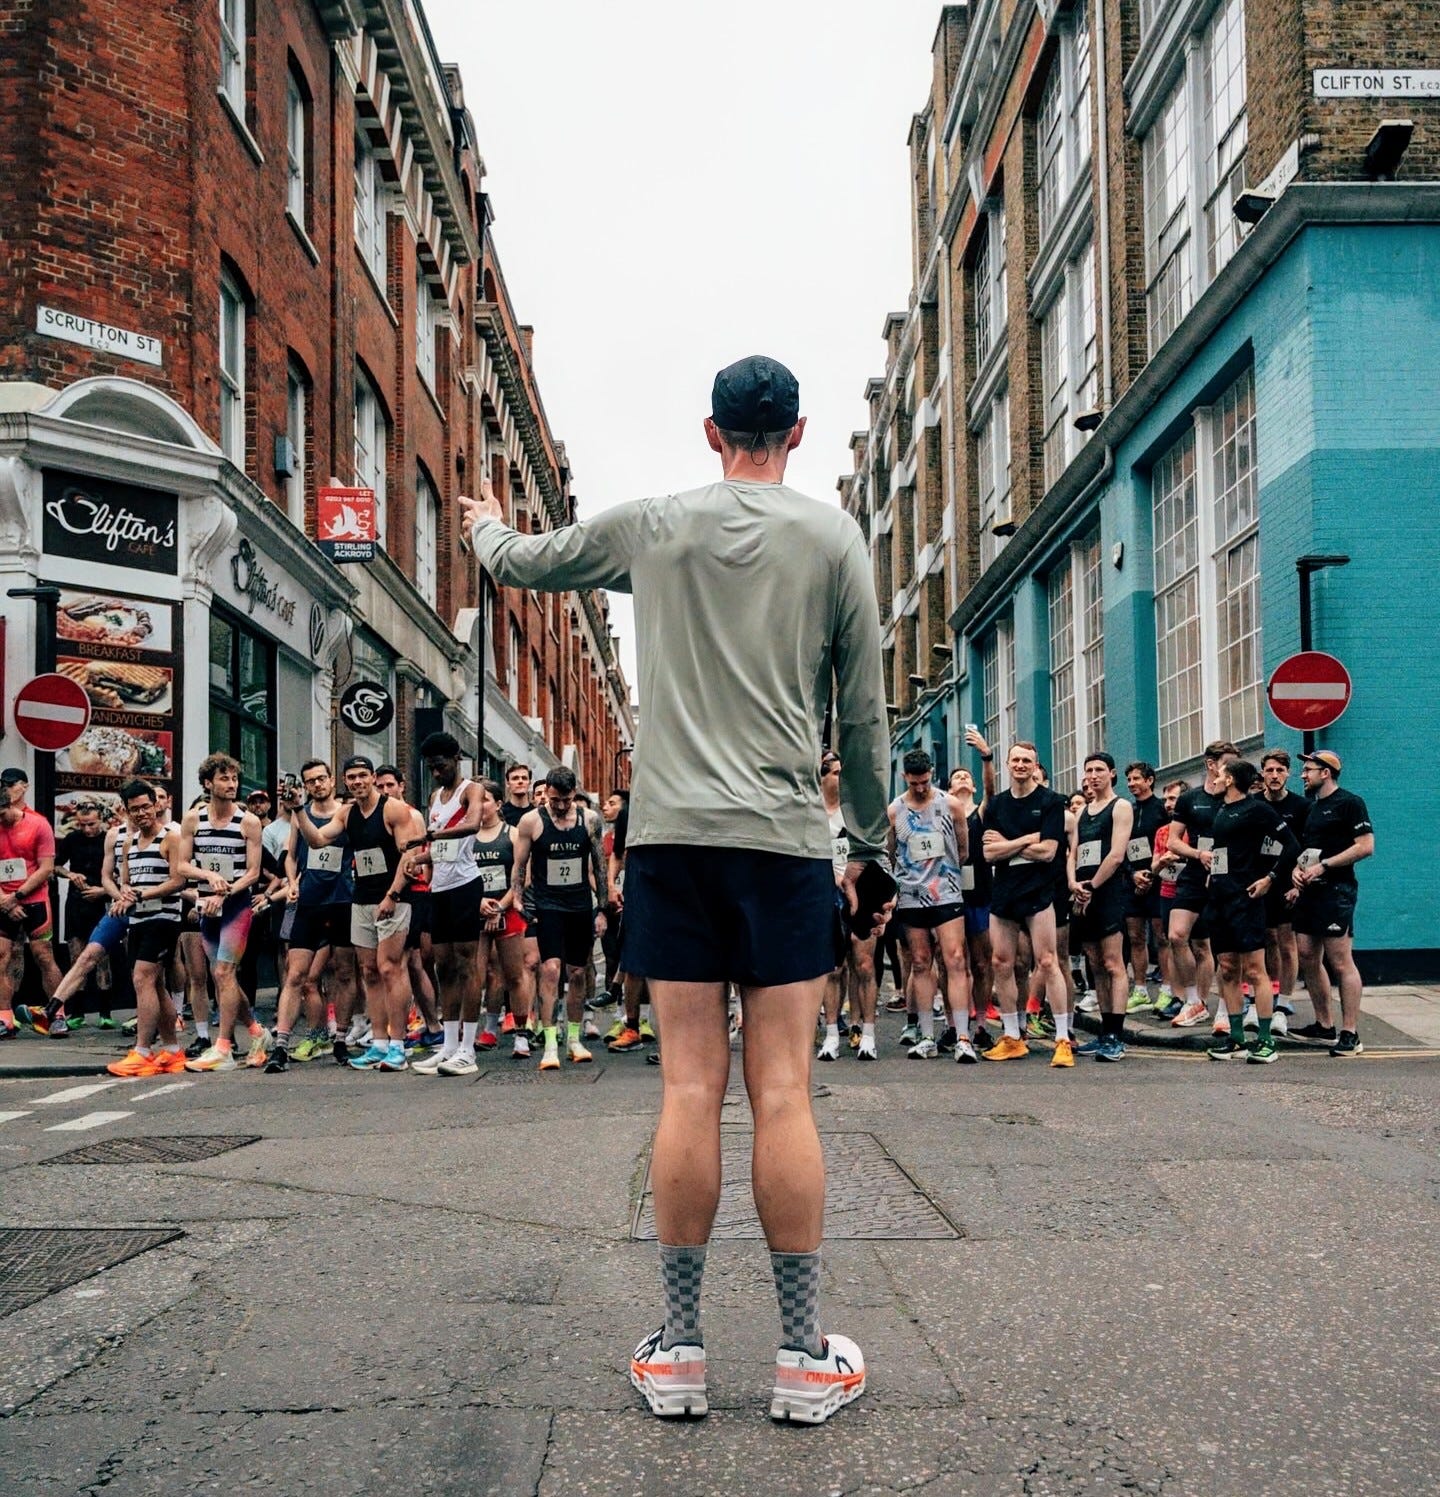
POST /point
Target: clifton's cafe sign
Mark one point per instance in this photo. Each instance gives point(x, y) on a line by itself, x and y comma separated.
point(95, 520)
point(253, 584)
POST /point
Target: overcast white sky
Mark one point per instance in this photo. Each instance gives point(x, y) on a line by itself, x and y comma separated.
point(677, 185)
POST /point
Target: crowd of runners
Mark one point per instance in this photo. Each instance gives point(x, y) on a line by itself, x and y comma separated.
point(403, 939)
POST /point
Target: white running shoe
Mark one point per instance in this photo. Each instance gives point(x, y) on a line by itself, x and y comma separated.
point(520, 1046)
point(430, 1066)
point(1087, 1003)
point(865, 1050)
point(1191, 1016)
point(829, 1049)
point(359, 1031)
point(1251, 1019)
point(578, 1054)
point(1280, 1024)
point(809, 1389)
point(925, 1050)
point(1222, 1021)
point(462, 1063)
point(260, 1047)
point(673, 1381)
point(965, 1053)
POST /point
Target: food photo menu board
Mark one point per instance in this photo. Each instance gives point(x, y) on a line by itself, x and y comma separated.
point(122, 652)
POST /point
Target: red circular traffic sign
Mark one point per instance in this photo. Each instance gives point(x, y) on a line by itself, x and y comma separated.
point(1309, 691)
point(51, 712)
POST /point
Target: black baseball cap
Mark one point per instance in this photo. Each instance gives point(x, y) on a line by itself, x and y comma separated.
point(755, 394)
point(14, 777)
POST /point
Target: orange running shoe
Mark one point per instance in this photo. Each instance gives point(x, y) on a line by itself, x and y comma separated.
point(1007, 1048)
point(133, 1064)
point(169, 1062)
point(507, 1023)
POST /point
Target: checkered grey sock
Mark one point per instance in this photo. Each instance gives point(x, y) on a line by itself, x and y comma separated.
point(797, 1286)
point(682, 1269)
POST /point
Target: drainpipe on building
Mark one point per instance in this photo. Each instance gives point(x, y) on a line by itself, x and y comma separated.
point(1107, 378)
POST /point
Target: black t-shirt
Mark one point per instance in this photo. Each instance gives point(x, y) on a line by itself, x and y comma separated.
point(1333, 823)
point(1013, 816)
point(1251, 840)
point(978, 897)
point(1150, 816)
point(1195, 811)
point(83, 855)
point(1293, 809)
point(512, 813)
point(619, 831)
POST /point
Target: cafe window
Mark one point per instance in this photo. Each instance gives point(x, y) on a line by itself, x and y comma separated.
point(242, 699)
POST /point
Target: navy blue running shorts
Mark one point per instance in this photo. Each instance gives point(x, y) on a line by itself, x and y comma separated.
point(729, 914)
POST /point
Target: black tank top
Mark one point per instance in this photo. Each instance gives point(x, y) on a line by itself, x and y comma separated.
point(1093, 837)
point(376, 856)
point(559, 860)
point(496, 861)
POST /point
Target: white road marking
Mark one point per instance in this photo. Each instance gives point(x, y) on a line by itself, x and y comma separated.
point(90, 1120)
point(159, 1091)
point(9, 1117)
point(75, 1093)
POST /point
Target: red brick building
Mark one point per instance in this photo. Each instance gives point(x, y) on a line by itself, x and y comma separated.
point(247, 248)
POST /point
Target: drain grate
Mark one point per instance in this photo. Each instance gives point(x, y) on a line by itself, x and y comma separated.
point(179, 1150)
point(39, 1261)
point(868, 1196)
point(529, 1075)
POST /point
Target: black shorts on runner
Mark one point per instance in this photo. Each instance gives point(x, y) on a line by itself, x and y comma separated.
point(566, 935)
point(455, 914)
point(929, 917)
point(729, 914)
point(422, 917)
point(320, 926)
point(1147, 906)
point(1237, 924)
point(1325, 912)
point(1103, 916)
point(152, 941)
point(82, 916)
point(31, 923)
point(1190, 899)
point(1020, 909)
point(1200, 931)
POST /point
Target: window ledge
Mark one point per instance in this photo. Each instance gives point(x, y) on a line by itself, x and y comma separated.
point(379, 289)
point(238, 120)
point(988, 378)
point(434, 398)
point(303, 237)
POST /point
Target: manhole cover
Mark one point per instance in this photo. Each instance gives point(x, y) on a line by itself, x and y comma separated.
point(38, 1261)
point(867, 1195)
point(182, 1150)
point(570, 1076)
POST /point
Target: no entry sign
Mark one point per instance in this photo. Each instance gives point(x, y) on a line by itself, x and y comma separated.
point(51, 712)
point(1309, 691)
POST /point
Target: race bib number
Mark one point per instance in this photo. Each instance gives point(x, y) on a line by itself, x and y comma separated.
point(1137, 850)
point(1204, 844)
point(1087, 855)
point(1309, 858)
point(840, 849)
point(923, 847)
point(444, 852)
point(12, 870)
point(967, 880)
point(1219, 860)
point(146, 907)
point(492, 879)
point(1019, 861)
point(325, 860)
point(563, 873)
point(369, 861)
point(1272, 847)
point(217, 862)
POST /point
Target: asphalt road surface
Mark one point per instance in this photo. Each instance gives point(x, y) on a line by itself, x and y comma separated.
point(1166, 1276)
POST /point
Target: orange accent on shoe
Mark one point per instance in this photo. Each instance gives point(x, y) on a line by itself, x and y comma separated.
point(1006, 1048)
point(133, 1064)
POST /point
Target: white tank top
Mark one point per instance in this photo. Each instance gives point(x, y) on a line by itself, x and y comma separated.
point(454, 857)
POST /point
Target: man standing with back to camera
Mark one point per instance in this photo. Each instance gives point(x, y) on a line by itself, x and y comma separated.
point(748, 598)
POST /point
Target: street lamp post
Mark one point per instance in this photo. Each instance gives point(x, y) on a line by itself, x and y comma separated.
point(1306, 567)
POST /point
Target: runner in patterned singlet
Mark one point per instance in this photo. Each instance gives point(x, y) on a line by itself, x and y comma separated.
point(930, 843)
point(220, 852)
point(149, 880)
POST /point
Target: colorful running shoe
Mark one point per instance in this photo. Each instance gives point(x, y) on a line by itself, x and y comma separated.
point(578, 1054)
point(550, 1059)
point(625, 1040)
point(369, 1058)
point(647, 1032)
point(394, 1058)
point(1228, 1049)
point(1263, 1052)
point(1007, 1048)
point(672, 1381)
point(212, 1059)
point(487, 1040)
point(1064, 1056)
point(1191, 1015)
point(133, 1064)
point(809, 1389)
point(1139, 1000)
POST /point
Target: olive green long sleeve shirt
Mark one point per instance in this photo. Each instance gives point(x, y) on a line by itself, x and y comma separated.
point(748, 596)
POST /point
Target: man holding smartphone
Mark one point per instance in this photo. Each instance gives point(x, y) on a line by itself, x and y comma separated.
point(750, 600)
